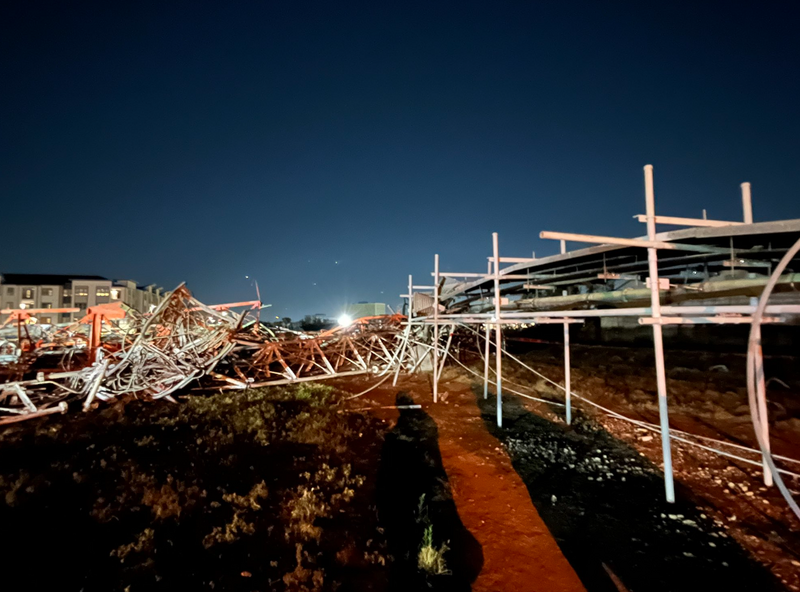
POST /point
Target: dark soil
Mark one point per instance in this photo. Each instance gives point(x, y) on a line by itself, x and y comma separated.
point(604, 503)
point(269, 489)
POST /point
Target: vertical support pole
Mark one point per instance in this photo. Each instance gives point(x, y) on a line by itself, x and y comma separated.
point(435, 328)
point(658, 338)
point(94, 334)
point(747, 203)
point(408, 329)
point(497, 331)
point(761, 396)
point(567, 377)
point(410, 296)
point(563, 246)
point(567, 368)
point(486, 361)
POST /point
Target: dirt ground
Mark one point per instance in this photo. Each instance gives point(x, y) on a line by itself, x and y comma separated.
point(303, 488)
point(536, 482)
point(706, 397)
point(269, 489)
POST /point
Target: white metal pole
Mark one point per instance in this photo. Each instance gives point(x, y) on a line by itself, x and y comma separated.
point(446, 350)
point(435, 328)
point(747, 203)
point(101, 372)
point(497, 330)
point(408, 329)
point(567, 377)
point(761, 395)
point(410, 296)
point(567, 369)
point(563, 246)
point(486, 362)
point(658, 339)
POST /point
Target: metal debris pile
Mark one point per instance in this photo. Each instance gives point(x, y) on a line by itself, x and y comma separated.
point(116, 352)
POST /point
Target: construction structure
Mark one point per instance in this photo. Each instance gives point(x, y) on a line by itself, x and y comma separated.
point(709, 272)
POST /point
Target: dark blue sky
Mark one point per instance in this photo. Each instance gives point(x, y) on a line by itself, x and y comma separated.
point(328, 149)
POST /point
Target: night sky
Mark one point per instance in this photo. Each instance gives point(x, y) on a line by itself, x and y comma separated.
point(329, 149)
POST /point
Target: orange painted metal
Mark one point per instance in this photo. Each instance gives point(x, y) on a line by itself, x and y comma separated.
point(96, 316)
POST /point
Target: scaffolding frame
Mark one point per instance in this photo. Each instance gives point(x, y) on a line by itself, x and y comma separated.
point(492, 308)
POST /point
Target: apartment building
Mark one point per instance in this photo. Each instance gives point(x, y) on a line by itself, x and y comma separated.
point(22, 290)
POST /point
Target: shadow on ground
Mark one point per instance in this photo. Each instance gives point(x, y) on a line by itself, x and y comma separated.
point(414, 496)
point(604, 504)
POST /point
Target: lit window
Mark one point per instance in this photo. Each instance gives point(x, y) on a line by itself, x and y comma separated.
point(101, 291)
point(81, 290)
point(67, 292)
point(27, 293)
point(47, 305)
point(45, 320)
point(114, 294)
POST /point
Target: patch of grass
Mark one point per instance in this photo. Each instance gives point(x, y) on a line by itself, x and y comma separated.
point(12, 487)
point(303, 579)
point(430, 558)
point(142, 544)
point(335, 484)
point(243, 505)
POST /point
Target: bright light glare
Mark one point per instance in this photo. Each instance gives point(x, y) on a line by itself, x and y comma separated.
point(345, 320)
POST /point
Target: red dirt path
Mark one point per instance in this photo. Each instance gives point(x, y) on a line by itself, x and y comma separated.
point(492, 500)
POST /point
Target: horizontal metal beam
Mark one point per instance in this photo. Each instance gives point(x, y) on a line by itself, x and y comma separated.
point(709, 320)
point(630, 242)
point(514, 259)
point(293, 380)
point(488, 276)
point(502, 277)
point(465, 275)
point(688, 221)
point(772, 309)
point(504, 321)
point(746, 263)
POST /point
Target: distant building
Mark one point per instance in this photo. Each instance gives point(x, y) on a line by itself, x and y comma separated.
point(72, 291)
point(366, 309)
